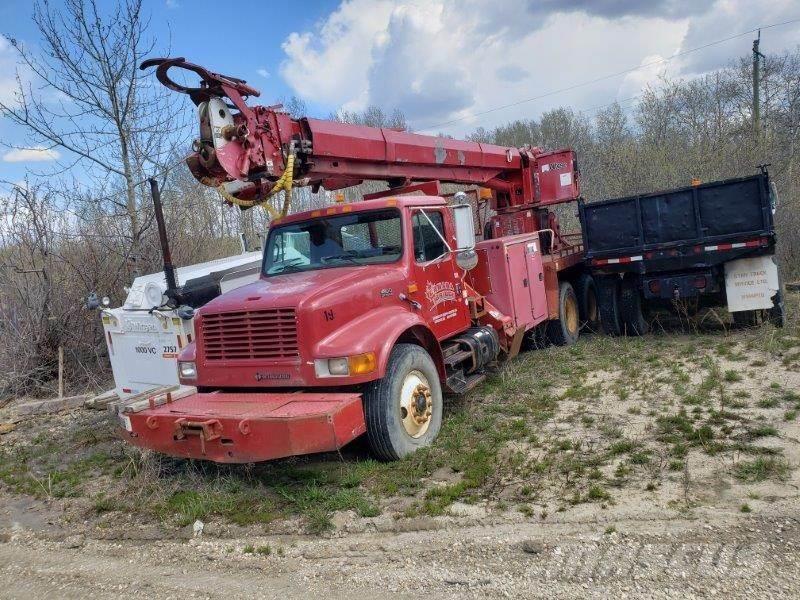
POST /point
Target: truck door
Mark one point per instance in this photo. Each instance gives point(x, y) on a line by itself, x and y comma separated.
point(436, 275)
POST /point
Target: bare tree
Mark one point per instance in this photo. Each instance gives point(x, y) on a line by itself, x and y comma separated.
point(87, 97)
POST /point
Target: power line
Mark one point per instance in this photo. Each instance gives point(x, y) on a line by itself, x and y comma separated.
point(605, 77)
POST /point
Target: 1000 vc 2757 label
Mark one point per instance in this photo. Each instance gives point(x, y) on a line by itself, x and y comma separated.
point(167, 350)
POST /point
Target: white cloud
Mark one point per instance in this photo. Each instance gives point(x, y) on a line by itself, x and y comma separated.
point(172, 4)
point(731, 17)
point(650, 70)
point(439, 60)
point(330, 64)
point(263, 72)
point(35, 154)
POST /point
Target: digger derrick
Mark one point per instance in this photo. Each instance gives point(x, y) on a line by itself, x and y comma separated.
point(246, 149)
point(364, 313)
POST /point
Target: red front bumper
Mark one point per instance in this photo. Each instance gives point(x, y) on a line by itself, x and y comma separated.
point(243, 428)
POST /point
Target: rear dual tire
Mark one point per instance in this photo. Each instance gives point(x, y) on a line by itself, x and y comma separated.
point(586, 292)
point(621, 307)
point(630, 309)
point(565, 330)
point(608, 300)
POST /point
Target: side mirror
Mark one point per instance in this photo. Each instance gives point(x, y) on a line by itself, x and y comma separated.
point(466, 258)
point(465, 224)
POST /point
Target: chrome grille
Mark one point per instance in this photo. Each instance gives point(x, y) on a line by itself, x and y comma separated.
point(250, 334)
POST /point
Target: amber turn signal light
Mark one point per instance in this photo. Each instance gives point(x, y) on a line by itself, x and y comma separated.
point(361, 364)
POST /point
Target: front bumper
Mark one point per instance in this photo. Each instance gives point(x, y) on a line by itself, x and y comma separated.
point(247, 427)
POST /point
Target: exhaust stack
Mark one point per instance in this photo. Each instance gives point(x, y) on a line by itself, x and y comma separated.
point(169, 268)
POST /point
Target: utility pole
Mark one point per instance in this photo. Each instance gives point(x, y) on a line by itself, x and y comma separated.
point(757, 56)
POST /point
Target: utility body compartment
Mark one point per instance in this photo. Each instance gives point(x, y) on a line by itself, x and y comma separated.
point(510, 274)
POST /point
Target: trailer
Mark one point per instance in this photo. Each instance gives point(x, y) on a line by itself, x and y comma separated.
point(364, 314)
point(701, 245)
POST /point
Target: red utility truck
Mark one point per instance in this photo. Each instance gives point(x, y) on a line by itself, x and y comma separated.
point(365, 314)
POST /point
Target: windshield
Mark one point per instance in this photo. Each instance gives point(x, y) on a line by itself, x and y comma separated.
point(336, 241)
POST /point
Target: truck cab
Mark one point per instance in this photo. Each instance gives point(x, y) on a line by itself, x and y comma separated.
point(359, 321)
point(338, 288)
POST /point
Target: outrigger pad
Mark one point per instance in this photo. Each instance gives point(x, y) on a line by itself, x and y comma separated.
point(247, 427)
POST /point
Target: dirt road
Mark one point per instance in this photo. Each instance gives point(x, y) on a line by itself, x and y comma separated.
point(711, 553)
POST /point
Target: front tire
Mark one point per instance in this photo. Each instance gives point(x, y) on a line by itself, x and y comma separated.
point(403, 410)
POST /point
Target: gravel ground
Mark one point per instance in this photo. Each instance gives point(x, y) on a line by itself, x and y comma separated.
point(711, 554)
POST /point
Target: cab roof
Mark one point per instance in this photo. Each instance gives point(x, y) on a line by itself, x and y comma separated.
point(364, 205)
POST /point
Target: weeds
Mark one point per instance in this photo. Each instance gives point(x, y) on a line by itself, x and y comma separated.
point(761, 469)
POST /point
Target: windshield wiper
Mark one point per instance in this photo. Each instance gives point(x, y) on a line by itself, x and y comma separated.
point(286, 267)
point(346, 256)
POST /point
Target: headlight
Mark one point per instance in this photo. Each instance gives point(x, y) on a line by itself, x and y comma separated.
point(187, 370)
point(338, 366)
point(359, 364)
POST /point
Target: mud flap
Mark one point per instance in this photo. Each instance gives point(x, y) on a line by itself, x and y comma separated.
point(247, 427)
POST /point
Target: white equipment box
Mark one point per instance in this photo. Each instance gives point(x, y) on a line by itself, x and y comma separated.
point(143, 346)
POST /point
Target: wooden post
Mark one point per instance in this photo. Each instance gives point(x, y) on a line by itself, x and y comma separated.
point(61, 372)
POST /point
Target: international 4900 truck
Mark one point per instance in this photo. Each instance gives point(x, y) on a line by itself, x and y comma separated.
point(365, 313)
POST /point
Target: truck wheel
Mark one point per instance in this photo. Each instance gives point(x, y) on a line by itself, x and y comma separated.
point(777, 314)
point(403, 410)
point(564, 330)
point(630, 309)
point(608, 303)
point(536, 338)
point(586, 292)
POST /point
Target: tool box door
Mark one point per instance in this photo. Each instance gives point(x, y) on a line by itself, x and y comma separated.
point(536, 287)
point(520, 285)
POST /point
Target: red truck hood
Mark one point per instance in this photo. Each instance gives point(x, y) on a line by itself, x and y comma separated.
point(292, 288)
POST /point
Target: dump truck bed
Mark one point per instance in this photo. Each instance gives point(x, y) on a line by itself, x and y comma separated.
point(690, 227)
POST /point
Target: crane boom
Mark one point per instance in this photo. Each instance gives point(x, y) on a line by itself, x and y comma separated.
point(248, 149)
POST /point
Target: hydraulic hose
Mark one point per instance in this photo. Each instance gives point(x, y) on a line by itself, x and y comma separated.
point(284, 183)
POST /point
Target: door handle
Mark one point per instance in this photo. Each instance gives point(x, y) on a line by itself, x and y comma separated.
point(413, 303)
point(525, 282)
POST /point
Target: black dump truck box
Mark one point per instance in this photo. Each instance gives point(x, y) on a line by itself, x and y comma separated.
point(691, 227)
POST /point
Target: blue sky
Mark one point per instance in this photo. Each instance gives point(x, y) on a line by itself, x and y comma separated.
point(447, 64)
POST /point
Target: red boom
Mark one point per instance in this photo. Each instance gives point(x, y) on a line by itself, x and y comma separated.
point(253, 146)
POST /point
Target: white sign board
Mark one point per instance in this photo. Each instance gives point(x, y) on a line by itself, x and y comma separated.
point(750, 283)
